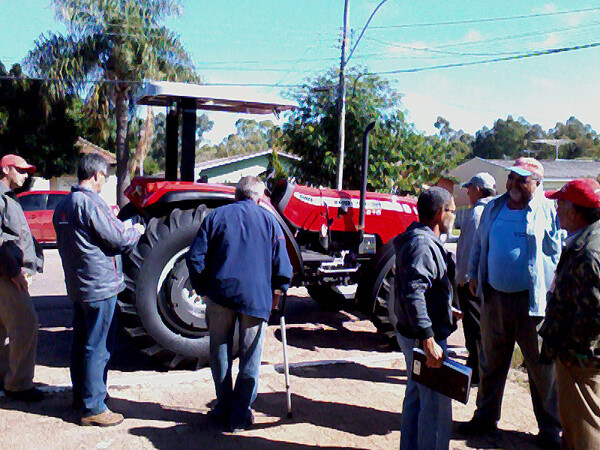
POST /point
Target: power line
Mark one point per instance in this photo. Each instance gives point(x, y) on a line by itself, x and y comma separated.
point(105, 81)
point(507, 58)
point(489, 19)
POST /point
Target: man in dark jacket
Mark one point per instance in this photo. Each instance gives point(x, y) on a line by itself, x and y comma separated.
point(423, 306)
point(90, 241)
point(18, 261)
point(238, 260)
point(571, 329)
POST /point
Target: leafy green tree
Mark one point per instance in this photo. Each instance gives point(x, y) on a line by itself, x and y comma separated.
point(32, 124)
point(400, 158)
point(250, 137)
point(112, 45)
point(155, 162)
point(585, 141)
point(508, 138)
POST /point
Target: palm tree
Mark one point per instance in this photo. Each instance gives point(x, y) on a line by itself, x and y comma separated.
point(111, 47)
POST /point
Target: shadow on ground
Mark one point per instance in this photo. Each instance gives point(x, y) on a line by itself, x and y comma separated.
point(326, 328)
point(349, 371)
point(502, 439)
point(183, 437)
point(55, 315)
point(353, 419)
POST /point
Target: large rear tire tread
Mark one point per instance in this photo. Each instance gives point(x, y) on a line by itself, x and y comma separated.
point(136, 305)
point(376, 291)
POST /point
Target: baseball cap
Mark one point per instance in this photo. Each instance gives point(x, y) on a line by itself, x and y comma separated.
point(482, 180)
point(528, 166)
point(582, 191)
point(18, 162)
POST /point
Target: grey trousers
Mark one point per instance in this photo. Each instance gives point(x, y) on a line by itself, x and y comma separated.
point(505, 320)
point(18, 322)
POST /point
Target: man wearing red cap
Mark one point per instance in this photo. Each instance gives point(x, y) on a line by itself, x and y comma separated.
point(571, 330)
point(18, 260)
point(512, 262)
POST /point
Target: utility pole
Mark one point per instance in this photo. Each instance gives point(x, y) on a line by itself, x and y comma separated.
point(342, 101)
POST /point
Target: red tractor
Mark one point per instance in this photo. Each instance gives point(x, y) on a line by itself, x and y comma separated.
point(338, 241)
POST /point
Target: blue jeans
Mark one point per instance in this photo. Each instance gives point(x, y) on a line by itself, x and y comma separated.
point(233, 405)
point(426, 414)
point(93, 339)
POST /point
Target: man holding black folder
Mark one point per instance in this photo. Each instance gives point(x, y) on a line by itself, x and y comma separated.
point(423, 305)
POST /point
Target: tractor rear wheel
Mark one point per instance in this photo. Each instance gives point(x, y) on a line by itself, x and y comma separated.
point(159, 309)
point(376, 292)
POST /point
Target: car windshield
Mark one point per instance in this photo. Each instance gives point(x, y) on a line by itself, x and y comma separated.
point(32, 202)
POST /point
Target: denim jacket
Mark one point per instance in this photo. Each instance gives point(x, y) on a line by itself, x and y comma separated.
point(544, 241)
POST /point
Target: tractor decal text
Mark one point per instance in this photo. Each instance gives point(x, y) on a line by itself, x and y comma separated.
point(372, 207)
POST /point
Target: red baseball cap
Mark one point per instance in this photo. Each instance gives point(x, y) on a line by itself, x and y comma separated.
point(528, 166)
point(18, 162)
point(583, 192)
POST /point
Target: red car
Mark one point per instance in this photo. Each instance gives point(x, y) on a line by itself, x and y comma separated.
point(39, 207)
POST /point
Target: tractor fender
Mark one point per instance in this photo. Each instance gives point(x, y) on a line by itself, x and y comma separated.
point(174, 199)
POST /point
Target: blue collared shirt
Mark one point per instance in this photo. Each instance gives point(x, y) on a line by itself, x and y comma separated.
point(544, 241)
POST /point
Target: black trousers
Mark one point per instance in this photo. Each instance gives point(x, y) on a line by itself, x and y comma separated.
point(470, 305)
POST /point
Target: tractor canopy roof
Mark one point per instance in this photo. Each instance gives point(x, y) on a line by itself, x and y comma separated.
point(212, 98)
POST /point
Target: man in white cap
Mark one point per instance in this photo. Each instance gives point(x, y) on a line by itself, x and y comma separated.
point(480, 189)
point(18, 261)
point(511, 267)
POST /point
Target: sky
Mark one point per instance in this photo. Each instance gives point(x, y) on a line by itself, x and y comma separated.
point(281, 43)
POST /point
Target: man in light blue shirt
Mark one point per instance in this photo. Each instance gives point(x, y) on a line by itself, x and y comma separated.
point(511, 267)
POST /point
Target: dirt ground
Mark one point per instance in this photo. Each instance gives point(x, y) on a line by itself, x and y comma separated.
point(347, 390)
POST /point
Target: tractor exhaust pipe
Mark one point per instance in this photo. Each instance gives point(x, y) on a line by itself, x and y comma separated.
point(363, 185)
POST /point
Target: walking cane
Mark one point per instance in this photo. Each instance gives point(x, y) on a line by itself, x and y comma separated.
point(280, 308)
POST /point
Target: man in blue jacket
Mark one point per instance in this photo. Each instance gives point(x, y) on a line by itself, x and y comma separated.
point(237, 261)
point(90, 241)
point(423, 306)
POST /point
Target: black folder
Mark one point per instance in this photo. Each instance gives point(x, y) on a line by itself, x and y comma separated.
point(452, 379)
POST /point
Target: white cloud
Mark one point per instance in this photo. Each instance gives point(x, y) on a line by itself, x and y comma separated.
point(552, 40)
point(405, 49)
point(545, 84)
point(549, 8)
point(574, 19)
point(473, 36)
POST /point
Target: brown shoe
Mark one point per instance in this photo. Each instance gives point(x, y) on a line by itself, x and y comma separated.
point(104, 419)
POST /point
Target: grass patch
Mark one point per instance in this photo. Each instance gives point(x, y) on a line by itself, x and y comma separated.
point(518, 362)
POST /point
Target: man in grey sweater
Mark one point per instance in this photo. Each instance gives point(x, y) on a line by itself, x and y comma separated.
point(480, 189)
point(18, 261)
